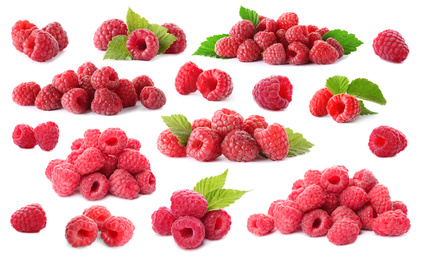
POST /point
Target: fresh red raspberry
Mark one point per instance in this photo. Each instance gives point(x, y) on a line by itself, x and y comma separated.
point(295, 193)
point(65, 81)
point(106, 31)
point(94, 186)
point(48, 98)
point(133, 161)
point(81, 231)
point(126, 92)
point(343, 232)
point(225, 120)
point(400, 205)
point(239, 146)
point(280, 34)
point(185, 81)
point(311, 198)
point(315, 36)
point(65, 180)
point(40, 46)
point(323, 53)
point(29, 219)
point(298, 184)
point(168, 144)
point(117, 231)
point(188, 232)
point(47, 135)
point(323, 31)
point(274, 54)
point(214, 85)
point(380, 198)
point(77, 144)
point(20, 32)
point(391, 223)
point(146, 181)
point(75, 101)
point(71, 158)
point(140, 82)
point(180, 44)
point(267, 25)
point(273, 141)
point(367, 215)
point(188, 203)
point(312, 177)
point(331, 203)
point(287, 219)
point(335, 179)
point(316, 223)
point(86, 69)
point(260, 224)
point(105, 77)
point(91, 160)
point(202, 122)
point(274, 204)
point(353, 197)
point(162, 220)
point(204, 144)
point(297, 53)
point(217, 224)
point(24, 137)
point(386, 141)
point(253, 122)
point(390, 46)
point(152, 97)
point(56, 30)
point(85, 84)
point(249, 51)
point(227, 47)
point(50, 166)
point(273, 93)
point(97, 213)
point(134, 144)
point(25, 93)
point(342, 212)
point(364, 179)
point(123, 185)
point(336, 46)
point(343, 108)
point(319, 101)
point(106, 102)
point(242, 30)
point(110, 165)
point(287, 20)
point(143, 44)
point(264, 39)
point(91, 138)
point(112, 140)
point(297, 33)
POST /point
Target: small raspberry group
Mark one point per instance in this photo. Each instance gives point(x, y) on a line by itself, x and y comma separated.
point(45, 135)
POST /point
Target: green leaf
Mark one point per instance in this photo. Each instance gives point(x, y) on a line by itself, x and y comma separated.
point(117, 49)
point(247, 14)
point(209, 184)
point(179, 126)
point(221, 198)
point(207, 48)
point(337, 84)
point(365, 111)
point(165, 38)
point(348, 41)
point(135, 21)
point(367, 90)
point(298, 145)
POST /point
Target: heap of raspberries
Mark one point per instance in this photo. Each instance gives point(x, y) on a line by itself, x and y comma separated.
point(330, 203)
point(101, 163)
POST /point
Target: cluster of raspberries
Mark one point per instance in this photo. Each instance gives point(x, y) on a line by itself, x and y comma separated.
point(100, 90)
point(39, 44)
point(228, 134)
point(189, 221)
point(142, 44)
point(83, 230)
point(101, 163)
point(279, 42)
point(45, 135)
point(329, 203)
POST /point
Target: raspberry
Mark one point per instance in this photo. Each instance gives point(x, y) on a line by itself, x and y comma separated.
point(386, 141)
point(180, 44)
point(188, 203)
point(336, 46)
point(311, 198)
point(367, 215)
point(85, 84)
point(75, 101)
point(48, 98)
point(94, 186)
point(123, 185)
point(249, 51)
point(50, 166)
point(225, 120)
point(335, 179)
point(126, 92)
point(278, 202)
point(107, 30)
point(146, 181)
point(204, 144)
point(380, 198)
point(343, 108)
point(297, 33)
point(91, 138)
point(71, 158)
point(140, 82)
point(112, 140)
point(343, 232)
point(331, 203)
point(391, 223)
point(40, 46)
point(25, 94)
point(89, 161)
point(267, 25)
point(280, 34)
point(81, 231)
point(56, 30)
point(117, 231)
point(105, 77)
point(323, 31)
point(264, 39)
point(295, 193)
point(287, 219)
point(297, 53)
point(24, 137)
point(239, 146)
point(353, 197)
point(20, 32)
point(253, 122)
point(133, 161)
point(65, 81)
point(298, 184)
point(97, 213)
point(400, 205)
point(273, 141)
point(133, 144)
point(242, 30)
point(152, 97)
point(110, 165)
point(323, 53)
point(214, 85)
point(273, 93)
point(77, 144)
point(318, 103)
point(217, 224)
point(287, 20)
point(29, 219)
point(168, 144)
point(364, 179)
point(390, 46)
point(274, 54)
point(227, 47)
point(65, 180)
point(47, 135)
point(342, 212)
point(106, 102)
point(188, 232)
point(315, 36)
point(202, 122)
point(316, 223)
point(312, 177)
point(185, 81)
point(143, 44)
point(260, 224)
point(86, 69)
point(162, 220)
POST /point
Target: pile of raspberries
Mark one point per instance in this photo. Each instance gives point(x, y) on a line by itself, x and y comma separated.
point(101, 163)
point(279, 42)
point(329, 203)
point(100, 90)
point(39, 44)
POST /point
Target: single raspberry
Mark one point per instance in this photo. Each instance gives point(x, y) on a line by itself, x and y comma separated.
point(278, 202)
point(94, 186)
point(110, 165)
point(152, 97)
point(168, 144)
point(273, 141)
point(65, 81)
point(217, 224)
point(20, 32)
point(134, 144)
point(214, 85)
point(24, 137)
point(40, 46)
point(47, 135)
point(253, 122)
point(204, 144)
point(342, 212)
point(343, 108)
point(91, 160)
point(311, 198)
point(227, 47)
point(73, 156)
point(287, 219)
point(260, 224)
point(331, 203)
point(77, 144)
point(249, 51)
point(400, 205)
point(364, 179)
point(367, 215)
point(81, 231)
point(336, 46)
point(48, 98)
point(185, 81)
point(123, 185)
point(297, 53)
point(112, 140)
point(264, 39)
point(201, 122)
point(29, 219)
point(287, 20)
point(56, 30)
point(105, 77)
point(140, 82)
point(117, 231)
point(273, 93)
point(126, 92)
point(106, 102)
point(297, 33)
point(318, 103)
point(75, 101)
point(316, 223)
point(132, 161)
point(323, 53)
point(315, 36)
point(188, 232)
point(225, 120)
point(25, 93)
point(386, 141)
point(267, 25)
point(239, 146)
point(65, 180)
point(274, 54)
point(323, 31)
point(353, 197)
point(50, 166)
point(391, 223)
point(343, 232)
point(180, 44)
point(242, 30)
point(380, 198)
point(188, 203)
point(280, 34)
point(162, 220)
point(86, 69)
point(391, 46)
point(300, 183)
point(335, 179)
point(146, 181)
point(97, 213)
point(143, 44)
point(85, 84)
point(91, 138)
point(312, 177)
point(106, 31)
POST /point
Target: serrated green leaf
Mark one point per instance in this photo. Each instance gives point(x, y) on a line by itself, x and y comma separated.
point(251, 15)
point(207, 48)
point(135, 21)
point(221, 198)
point(367, 90)
point(209, 184)
point(165, 38)
point(298, 145)
point(337, 84)
point(365, 111)
point(348, 41)
point(179, 126)
point(117, 49)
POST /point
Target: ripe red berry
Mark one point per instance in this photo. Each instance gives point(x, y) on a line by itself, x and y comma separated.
point(297, 53)
point(152, 97)
point(287, 20)
point(81, 231)
point(180, 44)
point(297, 33)
point(112, 140)
point(105, 77)
point(273, 93)
point(75, 101)
point(242, 30)
point(188, 232)
point(239, 146)
point(24, 137)
point(126, 92)
point(117, 231)
point(106, 102)
point(185, 81)
point(264, 39)
point(260, 224)
point(168, 144)
point(97, 213)
point(391, 223)
point(146, 181)
point(47, 135)
point(225, 120)
point(188, 203)
point(20, 32)
point(386, 141)
point(343, 108)
point(215, 84)
point(323, 53)
point(25, 93)
point(249, 51)
point(217, 224)
point(273, 141)
point(123, 185)
point(143, 44)
point(253, 122)
point(29, 219)
point(316, 223)
point(40, 46)
point(391, 46)
point(318, 103)
point(227, 47)
point(140, 82)
point(274, 54)
point(162, 220)
point(86, 69)
point(57, 31)
point(106, 31)
point(286, 218)
point(343, 232)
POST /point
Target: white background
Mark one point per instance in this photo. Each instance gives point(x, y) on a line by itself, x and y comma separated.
point(23, 181)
